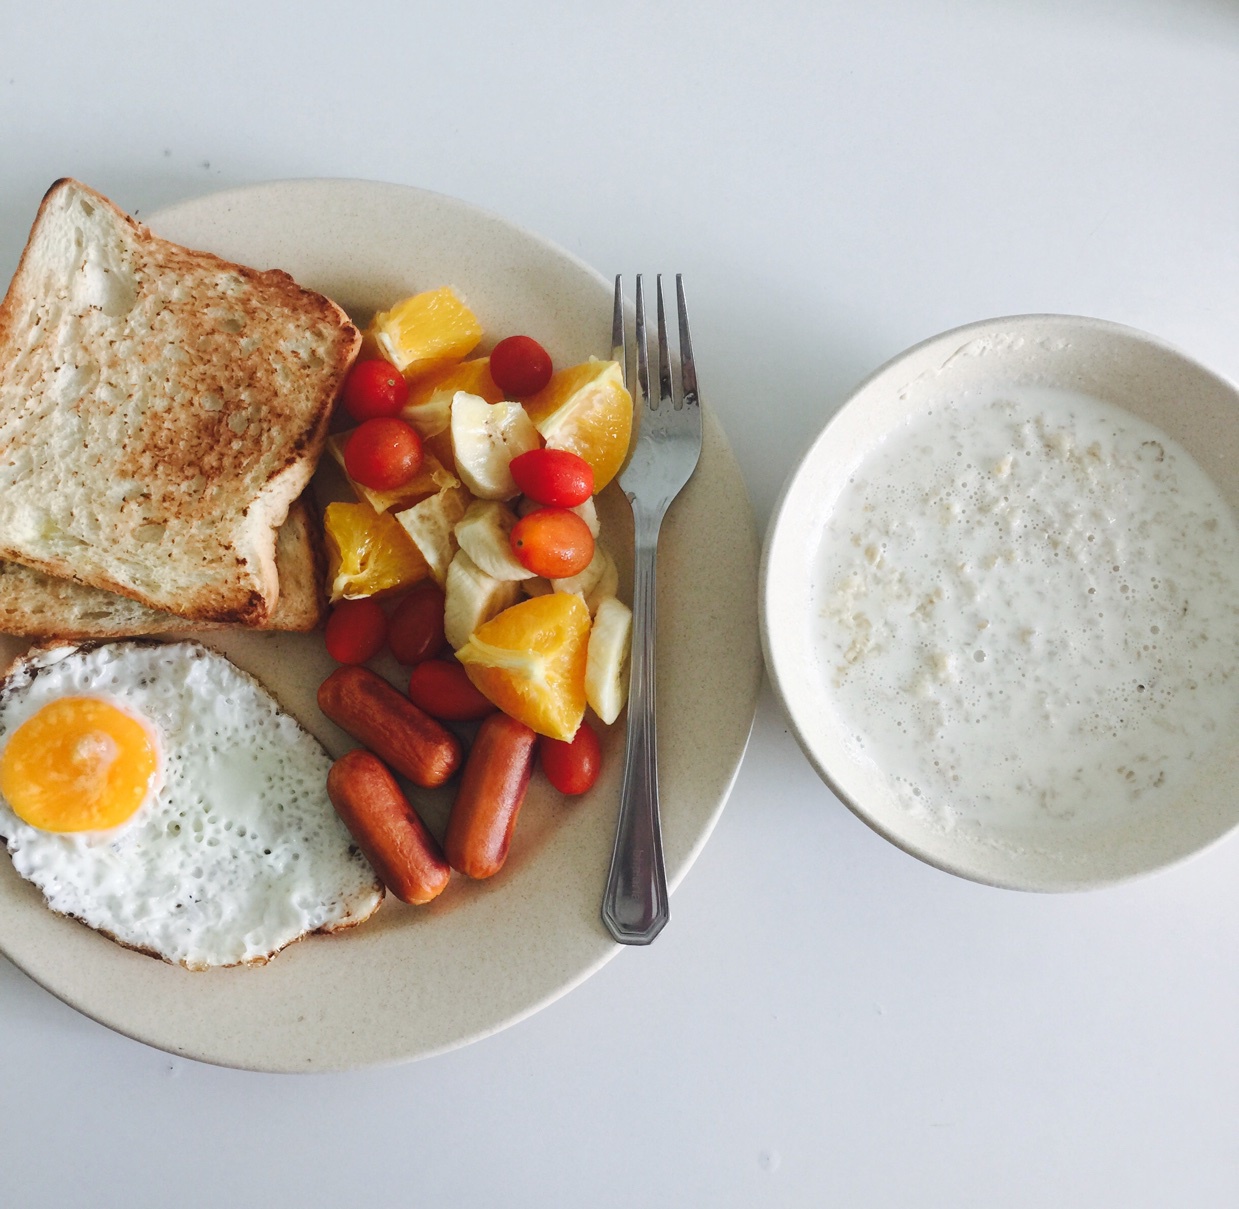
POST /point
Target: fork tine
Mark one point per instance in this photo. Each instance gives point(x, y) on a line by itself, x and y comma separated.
point(664, 355)
point(619, 351)
point(643, 352)
point(688, 367)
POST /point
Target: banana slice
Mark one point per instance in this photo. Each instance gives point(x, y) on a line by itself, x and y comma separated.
point(431, 417)
point(607, 585)
point(485, 438)
point(473, 597)
point(606, 680)
point(431, 524)
point(585, 582)
point(484, 534)
point(586, 511)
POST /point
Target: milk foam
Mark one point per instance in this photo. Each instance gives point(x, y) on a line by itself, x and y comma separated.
point(1028, 612)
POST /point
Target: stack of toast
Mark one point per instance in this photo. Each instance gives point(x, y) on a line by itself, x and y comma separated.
point(161, 413)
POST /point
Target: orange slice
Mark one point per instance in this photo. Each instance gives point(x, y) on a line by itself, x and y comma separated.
point(368, 553)
point(587, 410)
point(530, 661)
point(429, 407)
point(426, 332)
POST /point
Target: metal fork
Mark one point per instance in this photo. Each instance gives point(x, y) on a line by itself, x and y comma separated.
point(668, 444)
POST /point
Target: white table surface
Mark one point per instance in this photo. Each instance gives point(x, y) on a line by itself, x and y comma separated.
point(825, 1020)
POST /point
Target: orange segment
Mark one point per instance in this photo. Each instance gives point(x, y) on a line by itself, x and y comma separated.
point(427, 331)
point(587, 410)
point(368, 553)
point(530, 661)
point(471, 376)
point(429, 408)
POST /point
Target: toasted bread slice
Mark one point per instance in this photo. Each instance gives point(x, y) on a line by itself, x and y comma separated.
point(36, 605)
point(160, 409)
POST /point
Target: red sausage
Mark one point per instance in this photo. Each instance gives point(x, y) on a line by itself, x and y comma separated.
point(375, 714)
point(387, 829)
point(479, 829)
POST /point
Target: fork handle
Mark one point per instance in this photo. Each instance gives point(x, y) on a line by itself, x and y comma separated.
point(634, 905)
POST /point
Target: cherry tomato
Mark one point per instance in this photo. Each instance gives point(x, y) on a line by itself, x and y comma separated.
point(572, 767)
point(415, 631)
point(443, 689)
point(552, 542)
point(355, 631)
point(553, 476)
point(374, 388)
point(520, 366)
point(383, 454)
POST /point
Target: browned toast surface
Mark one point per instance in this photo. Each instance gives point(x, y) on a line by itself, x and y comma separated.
point(160, 409)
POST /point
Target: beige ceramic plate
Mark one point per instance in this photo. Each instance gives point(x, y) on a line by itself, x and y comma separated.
point(1117, 364)
point(415, 981)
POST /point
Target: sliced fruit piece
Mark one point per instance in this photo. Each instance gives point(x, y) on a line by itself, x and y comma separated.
point(433, 477)
point(430, 525)
point(530, 661)
point(607, 585)
point(606, 663)
point(473, 598)
point(484, 533)
point(587, 581)
point(485, 438)
point(368, 553)
point(587, 410)
point(429, 406)
point(427, 331)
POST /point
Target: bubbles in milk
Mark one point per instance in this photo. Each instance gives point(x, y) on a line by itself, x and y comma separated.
point(1029, 611)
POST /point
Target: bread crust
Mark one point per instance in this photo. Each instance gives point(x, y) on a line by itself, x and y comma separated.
point(160, 409)
point(36, 605)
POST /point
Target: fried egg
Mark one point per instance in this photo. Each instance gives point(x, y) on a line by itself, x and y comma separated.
point(161, 795)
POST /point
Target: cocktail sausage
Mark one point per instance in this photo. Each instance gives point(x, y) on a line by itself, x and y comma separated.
point(406, 857)
point(390, 725)
point(479, 829)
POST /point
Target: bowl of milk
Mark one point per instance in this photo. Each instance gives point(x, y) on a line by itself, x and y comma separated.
point(1000, 603)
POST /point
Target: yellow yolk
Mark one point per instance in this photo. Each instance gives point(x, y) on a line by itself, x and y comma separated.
point(79, 764)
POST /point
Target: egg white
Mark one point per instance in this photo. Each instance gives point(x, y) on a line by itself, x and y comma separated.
point(237, 851)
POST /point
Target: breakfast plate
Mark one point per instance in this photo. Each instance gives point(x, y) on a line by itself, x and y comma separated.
point(415, 981)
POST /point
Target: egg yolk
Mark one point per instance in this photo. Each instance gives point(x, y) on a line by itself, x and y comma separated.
point(79, 764)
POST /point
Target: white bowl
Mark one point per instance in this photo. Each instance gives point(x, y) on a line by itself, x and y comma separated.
point(1119, 365)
